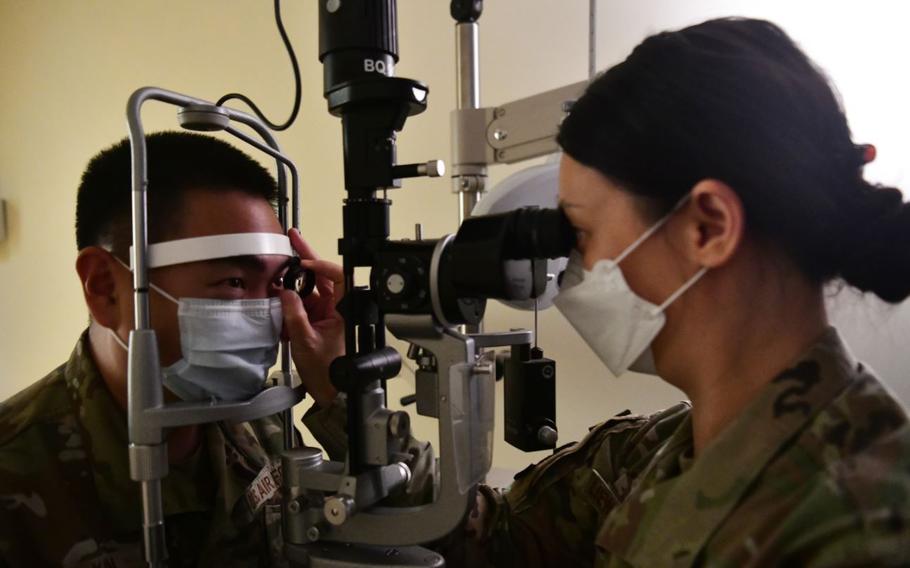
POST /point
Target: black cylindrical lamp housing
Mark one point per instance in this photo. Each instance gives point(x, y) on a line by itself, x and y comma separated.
point(357, 38)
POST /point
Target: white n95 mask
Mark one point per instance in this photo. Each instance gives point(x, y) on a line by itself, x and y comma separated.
point(615, 322)
point(228, 347)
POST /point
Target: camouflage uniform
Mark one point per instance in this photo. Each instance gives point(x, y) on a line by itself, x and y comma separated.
point(66, 497)
point(815, 471)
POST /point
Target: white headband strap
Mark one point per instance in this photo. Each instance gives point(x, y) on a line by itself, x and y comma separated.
point(216, 246)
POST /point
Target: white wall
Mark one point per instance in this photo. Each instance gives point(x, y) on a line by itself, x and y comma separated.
point(67, 68)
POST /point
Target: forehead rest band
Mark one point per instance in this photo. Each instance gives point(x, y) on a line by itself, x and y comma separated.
point(216, 246)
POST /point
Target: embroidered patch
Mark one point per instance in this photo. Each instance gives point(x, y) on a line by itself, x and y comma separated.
point(264, 487)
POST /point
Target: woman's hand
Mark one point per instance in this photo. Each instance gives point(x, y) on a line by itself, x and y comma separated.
point(313, 326)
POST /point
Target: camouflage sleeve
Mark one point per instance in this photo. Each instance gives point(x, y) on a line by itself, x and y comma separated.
point(328, 427)
point(552, 512)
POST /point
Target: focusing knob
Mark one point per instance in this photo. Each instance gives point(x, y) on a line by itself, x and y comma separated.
point(547, 436)
point(395, 283)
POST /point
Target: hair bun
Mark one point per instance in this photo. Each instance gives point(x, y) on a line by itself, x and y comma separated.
point(877, 253)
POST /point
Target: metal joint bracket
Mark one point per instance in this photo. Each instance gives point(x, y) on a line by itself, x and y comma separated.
point(468, 127)
point(527, 128)
point(512, 132)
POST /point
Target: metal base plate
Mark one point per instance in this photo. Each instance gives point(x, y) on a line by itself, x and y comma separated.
point(338, 555)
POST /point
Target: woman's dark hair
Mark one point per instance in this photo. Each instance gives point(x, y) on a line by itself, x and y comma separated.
point(736, 100)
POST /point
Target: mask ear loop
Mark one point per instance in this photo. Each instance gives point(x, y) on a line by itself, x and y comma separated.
point(663, 221)
point(695, 278)
point(682, 290)
point(631, 248)
point(119, 341)
point(113, 333)
point(152, 286)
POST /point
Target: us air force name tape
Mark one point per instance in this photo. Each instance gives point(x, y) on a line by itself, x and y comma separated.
point(216, 246)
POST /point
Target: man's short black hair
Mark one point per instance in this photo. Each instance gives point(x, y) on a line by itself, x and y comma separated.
point(177, 162)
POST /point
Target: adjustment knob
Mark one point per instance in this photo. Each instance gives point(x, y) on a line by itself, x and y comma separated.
point(338, 510)
point(547, 436)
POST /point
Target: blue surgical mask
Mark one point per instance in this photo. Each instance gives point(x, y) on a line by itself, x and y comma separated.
point(228, 347)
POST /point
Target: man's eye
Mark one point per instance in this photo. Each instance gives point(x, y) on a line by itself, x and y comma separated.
point(235, 283)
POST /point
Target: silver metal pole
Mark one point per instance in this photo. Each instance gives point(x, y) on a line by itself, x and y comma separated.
point(148, 458)
point(592, 38)
point(153, 523)
point(467, 84)
point(272, 149)
point(140, 186)
point(467, 200)
point(467, 74)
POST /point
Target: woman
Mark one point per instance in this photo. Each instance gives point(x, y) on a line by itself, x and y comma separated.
point(715, 189)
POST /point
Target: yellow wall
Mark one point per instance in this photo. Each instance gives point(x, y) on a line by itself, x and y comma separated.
point(67, 68)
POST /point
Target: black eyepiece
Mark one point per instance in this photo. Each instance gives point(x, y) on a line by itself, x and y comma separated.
point(501, 256)
point(538, 233)
point(301, 280)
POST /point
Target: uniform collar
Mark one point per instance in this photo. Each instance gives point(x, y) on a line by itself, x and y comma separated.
point(666, 521)
point(188, 487)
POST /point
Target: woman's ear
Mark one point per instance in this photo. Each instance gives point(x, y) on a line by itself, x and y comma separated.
point(717, 223)
point(97, 271)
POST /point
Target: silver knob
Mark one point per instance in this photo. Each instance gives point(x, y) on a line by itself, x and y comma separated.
point(337, 510)
point(433, 169)
point(547, 436)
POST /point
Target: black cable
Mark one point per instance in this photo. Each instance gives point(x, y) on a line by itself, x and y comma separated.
point(297, 89)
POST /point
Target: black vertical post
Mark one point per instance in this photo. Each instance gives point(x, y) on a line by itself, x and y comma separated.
point(358, 47)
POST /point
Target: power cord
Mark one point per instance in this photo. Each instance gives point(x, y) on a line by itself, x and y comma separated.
point(297, 88)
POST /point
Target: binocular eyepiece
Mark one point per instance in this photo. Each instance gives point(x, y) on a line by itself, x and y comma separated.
point(525, 233)
point(501, 256)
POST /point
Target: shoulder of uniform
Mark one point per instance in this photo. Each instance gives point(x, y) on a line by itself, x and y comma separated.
point(622, 436)
point(45, 401)
point(877, 479)
point(641, 428)
point(856, 422)
point(858, 508)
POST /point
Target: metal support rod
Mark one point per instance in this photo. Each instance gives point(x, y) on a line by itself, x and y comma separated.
point(146, 395)
point(138, 261)
point(354, 401)
point(295, 178)
point(467, 200)
point(274, 150)
point(269, 138)
point(467, 81)
point(153, 523)
point(592, 38)
point(287, 415)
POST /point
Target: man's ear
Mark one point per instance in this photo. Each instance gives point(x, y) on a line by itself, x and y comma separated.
point(718, 223)
point(97, 271)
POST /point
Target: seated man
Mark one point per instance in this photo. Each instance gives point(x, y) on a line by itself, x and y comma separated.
point(66, 496)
